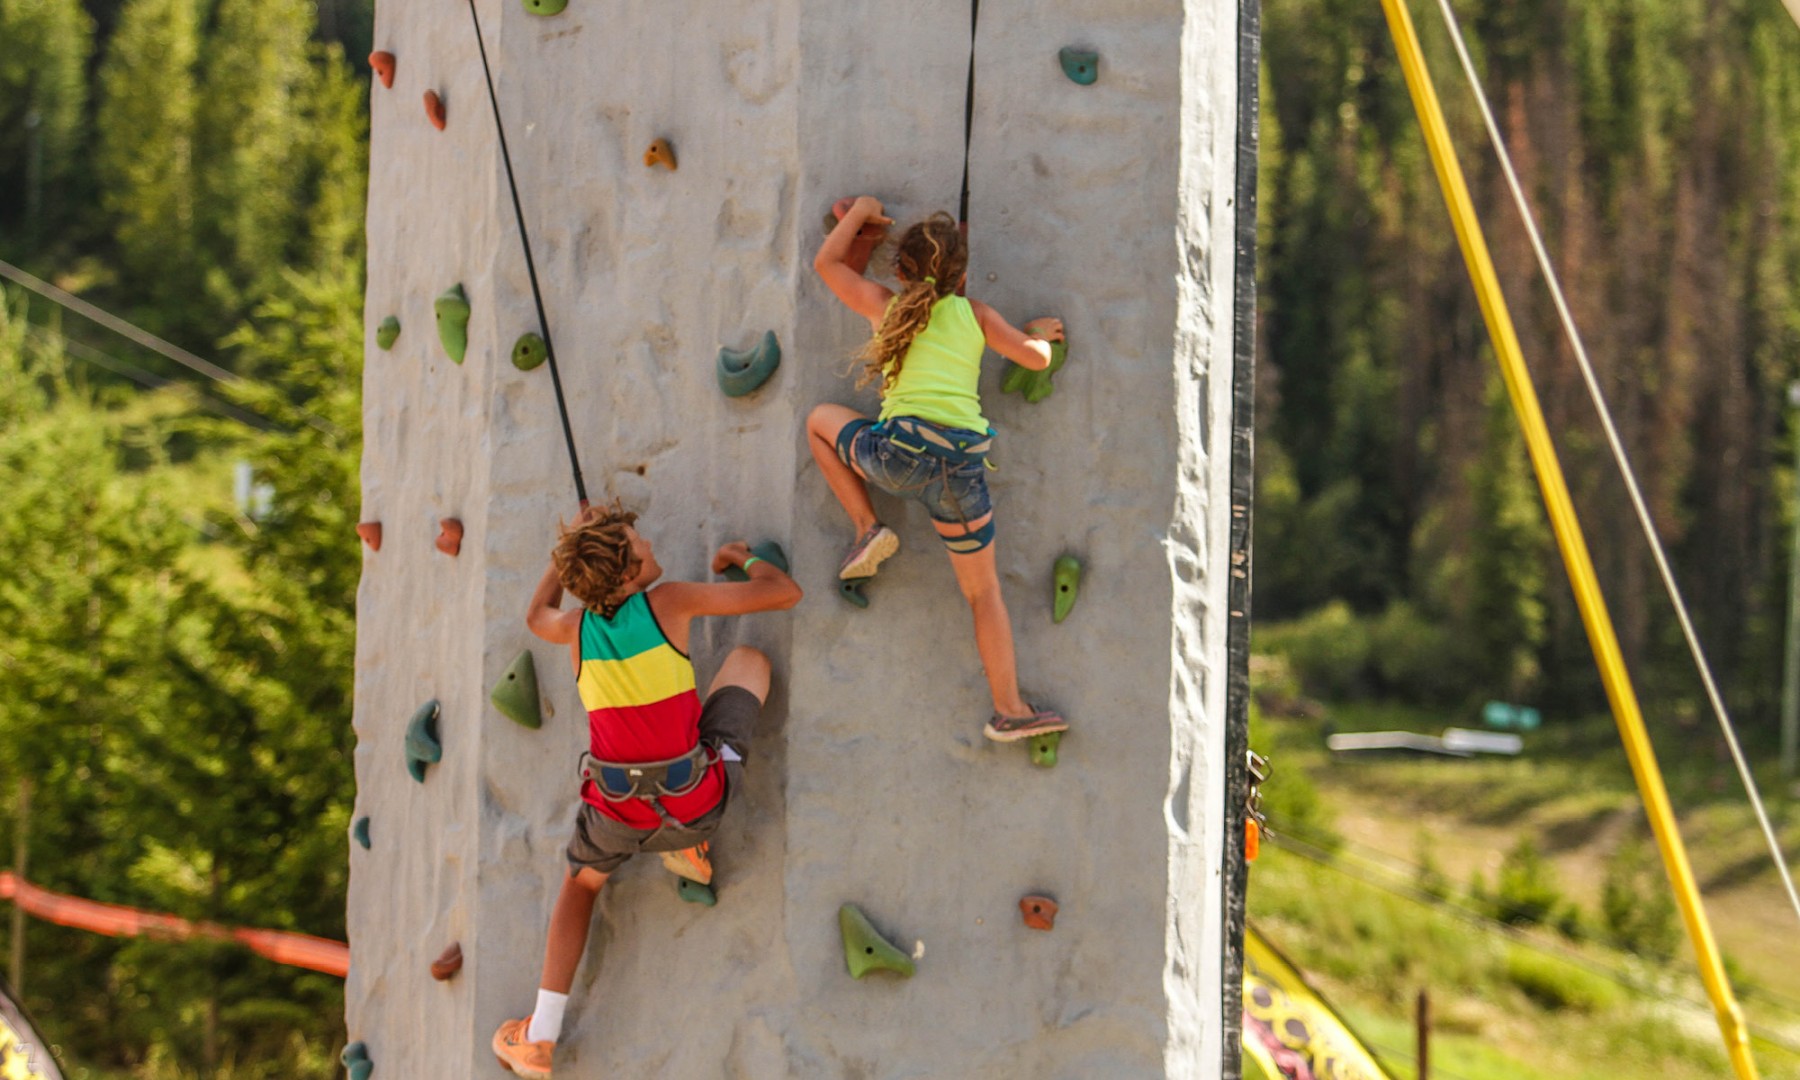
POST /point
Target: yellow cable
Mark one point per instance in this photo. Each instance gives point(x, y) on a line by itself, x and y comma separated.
point(1569, 539)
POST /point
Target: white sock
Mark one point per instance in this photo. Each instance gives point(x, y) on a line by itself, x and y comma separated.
point(546, 1019)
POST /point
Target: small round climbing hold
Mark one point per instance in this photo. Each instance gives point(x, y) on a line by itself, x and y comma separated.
point(545, 7)
point(434, 109)
point(382, 64)
point(1066, 585)
point(1043, 749)
point(1080, 65)
point(370, 531)
point(529, 352)
point(360, 831)
point(660, 153)
point(1039, 912)
point(452, 308)
point(387, 333)
point(357, 1065)
point(695, 893)
point(851, 590)
point(741, 371)
point(422, 745)
point(450, 534)
point(448, 963)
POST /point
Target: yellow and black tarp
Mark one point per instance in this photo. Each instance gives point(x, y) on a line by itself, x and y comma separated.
point(1290, 1033)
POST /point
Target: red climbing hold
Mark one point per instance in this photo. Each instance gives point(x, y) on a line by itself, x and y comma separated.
point(382, 63)
point(370, 531)
point(868, 238)
point(434, 108)
point(448, 963)
point(1039, 912)
point(449, 539)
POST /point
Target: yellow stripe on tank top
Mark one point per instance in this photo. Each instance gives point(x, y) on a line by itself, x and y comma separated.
point(647, 678)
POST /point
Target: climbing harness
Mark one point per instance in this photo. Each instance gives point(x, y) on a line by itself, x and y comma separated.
point(937, 442)
point(618, 781)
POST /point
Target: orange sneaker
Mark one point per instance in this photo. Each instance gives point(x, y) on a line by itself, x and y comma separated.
point(530, 1060)
point(691, 864)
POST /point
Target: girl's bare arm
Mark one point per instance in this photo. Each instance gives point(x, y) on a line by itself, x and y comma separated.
point(1029, 348)
point(867, 298)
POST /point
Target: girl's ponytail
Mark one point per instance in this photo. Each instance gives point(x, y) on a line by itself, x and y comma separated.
point(930, 260)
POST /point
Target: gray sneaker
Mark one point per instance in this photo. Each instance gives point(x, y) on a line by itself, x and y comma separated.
point(1013, 728)
point(869, 552)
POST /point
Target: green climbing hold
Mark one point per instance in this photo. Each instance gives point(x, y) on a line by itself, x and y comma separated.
point(356, 1061)
point(695, 893)
point(1035, 385)
point(768, 551)
point(865, 950)
point(360, 831)
point(1043, 749)
point(453, 321)
point(529, 352)
point(545, 7)
point(387, 333)
point(851, 589)
point(422, 746)
point(1067, 577)
point(1080, 65)
point(516, 694)
point(741, 371)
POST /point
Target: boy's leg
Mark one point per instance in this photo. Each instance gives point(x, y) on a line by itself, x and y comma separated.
point(729, 720)
point(745, 667)
point(822, 429)
point(569, 922)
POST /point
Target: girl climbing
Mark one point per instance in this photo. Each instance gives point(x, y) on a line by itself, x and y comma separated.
point(930, 441)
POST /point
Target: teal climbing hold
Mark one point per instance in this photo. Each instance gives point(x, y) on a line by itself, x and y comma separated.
point(695, 893)
point(387, 333)
point(865, 950)
point(1035, 385)
point(422, 746)
point(360, 831)
point(1066, 579)
point(453, 321)
point(741, 371)
point(1043, 749)
point(529, 352)
point(516, 694)
point(851, 589)
point(356, 1061)
point(545, 7)
point(768, 551)
point(1080, 65)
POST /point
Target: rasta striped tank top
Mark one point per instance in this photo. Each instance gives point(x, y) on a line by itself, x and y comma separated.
point(639, 694)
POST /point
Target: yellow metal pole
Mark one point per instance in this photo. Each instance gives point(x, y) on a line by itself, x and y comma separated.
point(1569, 538)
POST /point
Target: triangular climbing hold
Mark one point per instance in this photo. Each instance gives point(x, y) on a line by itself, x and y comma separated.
point(434, 109)
point(695, 893)
point(1044, 747)
point(768, 551)
point(449, 539)
point(851, 589)
point(448, 963)
point(1065, 577)
point(516, 694)
point(452, 306)
point(529, 351)
point(370, 531)
point(1039, 912)
point(865, 950)
point(422, 746)
point(660, 153)
point(387, 333)
point(743, 370)
point(1080, 65)
point(360, 831)
point(1035, 385)
point(382, 64)
point(545, 7)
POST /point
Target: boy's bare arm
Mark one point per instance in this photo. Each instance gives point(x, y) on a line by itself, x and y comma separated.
point(867, 298)
point(1029, 347)
point(546, 618)
point(679, 602)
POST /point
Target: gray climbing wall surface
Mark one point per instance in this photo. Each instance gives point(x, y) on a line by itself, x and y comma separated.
point(1108, 204)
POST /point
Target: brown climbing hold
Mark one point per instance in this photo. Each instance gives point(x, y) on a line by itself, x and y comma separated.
point(434, 108)
point(660, 153)
point(449, 539)
point(448, 963)
point(1039, 912)
point(382, 63)
point(370, 531)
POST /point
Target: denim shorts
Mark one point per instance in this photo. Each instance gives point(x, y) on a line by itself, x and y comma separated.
point(952, 491)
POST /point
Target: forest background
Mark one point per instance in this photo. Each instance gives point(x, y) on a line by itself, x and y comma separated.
point(176, 662)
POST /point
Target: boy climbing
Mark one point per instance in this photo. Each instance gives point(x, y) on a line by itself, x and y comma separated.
point(661, 765)
point(930, 441)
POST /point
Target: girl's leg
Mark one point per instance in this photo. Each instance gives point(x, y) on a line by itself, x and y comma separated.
point(822, 428)
point(979, 581)
point(569, 928)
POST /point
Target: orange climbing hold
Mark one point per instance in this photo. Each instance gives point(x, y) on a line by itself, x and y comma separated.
point(382, 63)
point(434, 108)
point(1039, 912)
point(1252, 839)
point(370, 531)
point(448, 963)
point(660, 153)
point(449, 539)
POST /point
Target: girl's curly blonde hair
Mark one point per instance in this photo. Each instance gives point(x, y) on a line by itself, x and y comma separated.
point(930, 261)
point(593, 558)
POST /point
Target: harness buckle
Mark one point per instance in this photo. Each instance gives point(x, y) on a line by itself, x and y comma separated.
point(617, 781)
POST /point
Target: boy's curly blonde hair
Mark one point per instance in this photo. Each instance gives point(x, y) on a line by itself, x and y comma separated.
point(593, 557)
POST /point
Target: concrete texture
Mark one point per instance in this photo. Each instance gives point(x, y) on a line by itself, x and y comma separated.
point(1108, 205)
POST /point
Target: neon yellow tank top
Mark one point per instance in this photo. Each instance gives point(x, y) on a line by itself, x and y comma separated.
point(940, 375)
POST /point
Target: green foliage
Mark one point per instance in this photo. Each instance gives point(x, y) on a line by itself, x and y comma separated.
point(1637, 911)
point(1526, 892)
point(1290, 799)
point(1501, 606)
point(1557, 984)
point(44, 47)
point(1328, 649)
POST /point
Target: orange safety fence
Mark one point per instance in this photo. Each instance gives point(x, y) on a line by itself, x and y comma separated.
point(116, 920)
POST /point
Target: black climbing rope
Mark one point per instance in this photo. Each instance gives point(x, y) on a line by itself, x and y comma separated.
point(962, 213)
point(537, 294)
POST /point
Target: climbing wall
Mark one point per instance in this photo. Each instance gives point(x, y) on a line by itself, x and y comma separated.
point(1107, 202)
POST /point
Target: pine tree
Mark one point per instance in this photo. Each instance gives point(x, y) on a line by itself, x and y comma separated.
point(44, 46)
